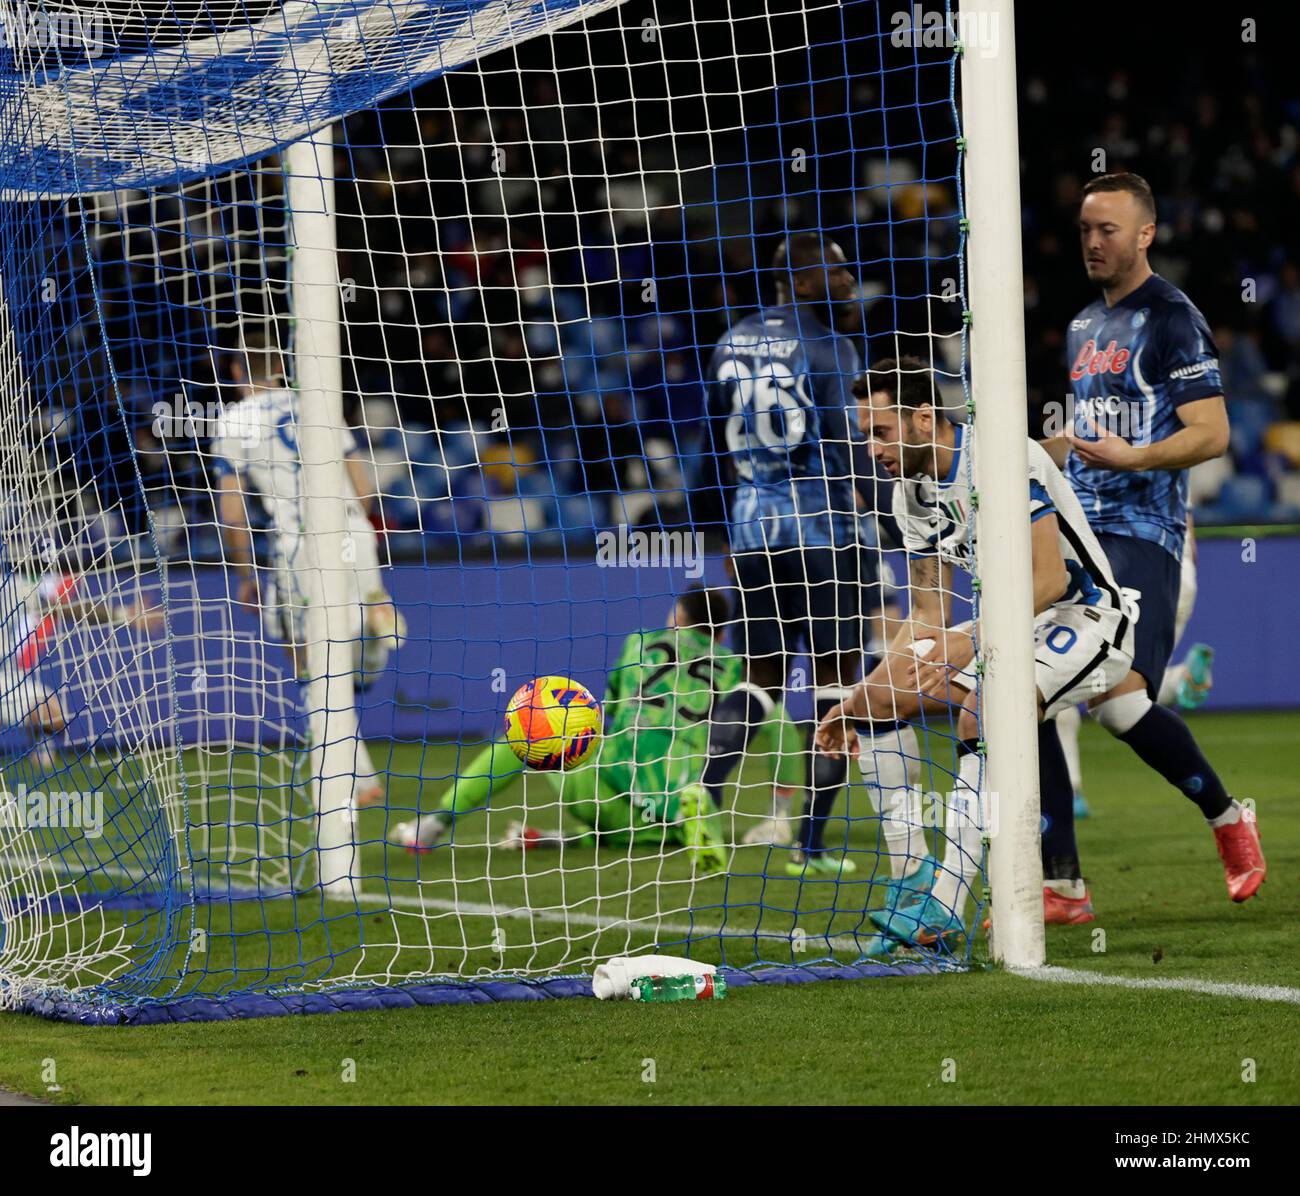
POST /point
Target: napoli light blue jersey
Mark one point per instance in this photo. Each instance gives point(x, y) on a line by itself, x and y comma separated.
point(1132, 366)
point(783, 383)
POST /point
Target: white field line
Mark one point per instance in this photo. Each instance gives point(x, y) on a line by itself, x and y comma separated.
point(652, 926)
point(492, 909)
point(648, 924)
point(1189, 984)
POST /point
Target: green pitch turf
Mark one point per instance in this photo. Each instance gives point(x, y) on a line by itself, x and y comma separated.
point(981, 1037)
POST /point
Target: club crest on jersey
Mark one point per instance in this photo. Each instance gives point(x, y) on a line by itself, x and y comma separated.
point(1139, 318)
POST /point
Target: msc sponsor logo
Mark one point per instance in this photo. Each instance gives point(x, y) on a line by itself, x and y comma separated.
point(1113, 413)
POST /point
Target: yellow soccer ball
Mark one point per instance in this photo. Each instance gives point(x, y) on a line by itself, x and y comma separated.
point(552, 723)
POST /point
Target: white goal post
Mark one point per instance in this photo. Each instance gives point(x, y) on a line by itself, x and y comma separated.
point(995, 290)
point(318, 379)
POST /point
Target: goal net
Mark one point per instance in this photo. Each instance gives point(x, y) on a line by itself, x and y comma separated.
point(358, 367)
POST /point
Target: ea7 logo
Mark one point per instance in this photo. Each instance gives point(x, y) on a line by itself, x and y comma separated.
point(91, 1149)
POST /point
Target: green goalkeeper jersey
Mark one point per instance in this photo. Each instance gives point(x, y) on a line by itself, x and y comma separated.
point(657, 705)
point(655, 741)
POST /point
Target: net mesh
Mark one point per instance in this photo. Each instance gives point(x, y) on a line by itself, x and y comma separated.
point(545, 216)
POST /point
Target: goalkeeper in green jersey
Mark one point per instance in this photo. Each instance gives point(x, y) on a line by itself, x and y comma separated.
point(641, 785)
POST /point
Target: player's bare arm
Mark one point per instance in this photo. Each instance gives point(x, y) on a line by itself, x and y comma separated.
point(362, 480)
point(236, 537)
point(1203, 436)
point(1051, 578)
point(931, 582)
point(932, 674)
point(889, 691)
point(140, 614)
point(929, 593)
point(1058, 448)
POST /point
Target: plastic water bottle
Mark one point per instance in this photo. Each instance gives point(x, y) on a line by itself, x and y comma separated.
point(679, 988)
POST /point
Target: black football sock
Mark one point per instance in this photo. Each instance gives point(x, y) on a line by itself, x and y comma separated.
point(732, 725)
point(1060, 851)
point(1164, 742)
point(826, 777)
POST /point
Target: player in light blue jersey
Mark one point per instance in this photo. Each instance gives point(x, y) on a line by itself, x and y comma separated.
point(782, 379)
point(1148, 405)
point(780, 397)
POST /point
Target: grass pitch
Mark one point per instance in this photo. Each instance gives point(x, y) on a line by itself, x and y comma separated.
point(984, 1037)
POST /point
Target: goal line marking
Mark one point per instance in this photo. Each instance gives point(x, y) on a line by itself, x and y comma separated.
point(1189, 984)
point(651, 925)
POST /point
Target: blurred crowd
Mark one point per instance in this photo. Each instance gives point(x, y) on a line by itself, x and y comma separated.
point(533, 281)
point(543, 356)
point(581, 396)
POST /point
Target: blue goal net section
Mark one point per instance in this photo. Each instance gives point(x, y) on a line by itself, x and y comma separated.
point(447, 479)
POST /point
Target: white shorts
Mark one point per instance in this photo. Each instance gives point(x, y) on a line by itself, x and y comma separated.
point(1075, 656)
point(21, 692)
point(285, 585)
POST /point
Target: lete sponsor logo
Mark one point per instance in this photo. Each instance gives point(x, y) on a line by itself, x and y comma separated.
point(1091, 360)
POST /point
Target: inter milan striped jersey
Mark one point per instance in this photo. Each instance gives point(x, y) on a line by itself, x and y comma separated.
point(257, 439)
point(935, 519)
point(1132, 366)
point(782, 381)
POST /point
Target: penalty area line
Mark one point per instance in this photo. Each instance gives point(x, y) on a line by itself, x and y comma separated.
point(1188, 984)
